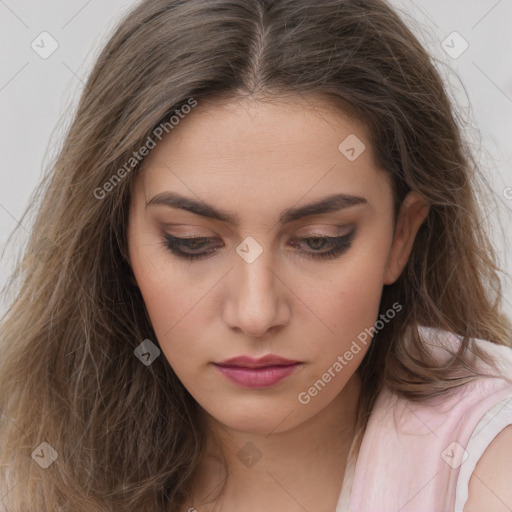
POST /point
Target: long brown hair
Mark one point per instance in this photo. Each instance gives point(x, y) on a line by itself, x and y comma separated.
point(126, 435)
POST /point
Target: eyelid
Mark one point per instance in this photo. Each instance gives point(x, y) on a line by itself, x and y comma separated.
point(185, 231)
point(302, 232)
point(323, 232)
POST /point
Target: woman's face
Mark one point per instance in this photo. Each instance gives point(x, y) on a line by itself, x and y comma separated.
point(294, 242)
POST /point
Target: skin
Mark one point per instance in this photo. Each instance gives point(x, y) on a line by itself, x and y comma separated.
point(255, 159)
point(489, 486)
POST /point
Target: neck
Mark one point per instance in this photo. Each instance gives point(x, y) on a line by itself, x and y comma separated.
point(300, 468)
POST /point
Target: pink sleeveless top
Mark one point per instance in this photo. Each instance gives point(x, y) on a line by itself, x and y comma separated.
point(420, 457)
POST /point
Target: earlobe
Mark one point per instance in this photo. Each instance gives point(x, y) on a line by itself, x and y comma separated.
point(413, 212)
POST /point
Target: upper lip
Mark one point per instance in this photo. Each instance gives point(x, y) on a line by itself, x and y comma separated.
point(251, 362)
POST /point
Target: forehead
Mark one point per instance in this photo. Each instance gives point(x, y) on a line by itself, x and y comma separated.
point(268, 153)
point(247, 128)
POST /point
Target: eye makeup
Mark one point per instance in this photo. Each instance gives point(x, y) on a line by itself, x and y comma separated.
point(203, 247)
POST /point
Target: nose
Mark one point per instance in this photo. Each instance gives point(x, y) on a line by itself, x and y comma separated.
point(257, 300)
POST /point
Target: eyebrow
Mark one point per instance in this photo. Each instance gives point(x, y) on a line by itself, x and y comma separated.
point(327, 204)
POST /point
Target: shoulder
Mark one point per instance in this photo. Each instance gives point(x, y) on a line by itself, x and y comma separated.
point(489, 485)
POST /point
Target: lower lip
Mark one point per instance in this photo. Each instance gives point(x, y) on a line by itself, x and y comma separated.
point(257, 377)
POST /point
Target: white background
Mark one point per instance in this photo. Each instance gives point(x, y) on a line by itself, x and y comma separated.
point(36, 93)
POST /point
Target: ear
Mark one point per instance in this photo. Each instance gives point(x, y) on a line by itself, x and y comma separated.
point(413, 212)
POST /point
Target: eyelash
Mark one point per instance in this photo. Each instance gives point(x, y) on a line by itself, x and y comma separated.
point(340, 245)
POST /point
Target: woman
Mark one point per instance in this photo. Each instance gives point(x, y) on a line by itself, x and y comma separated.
point(258, 280)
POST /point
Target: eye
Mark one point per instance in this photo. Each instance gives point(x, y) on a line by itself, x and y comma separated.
point(176, 245)
point(338, 245)
point(193, 248)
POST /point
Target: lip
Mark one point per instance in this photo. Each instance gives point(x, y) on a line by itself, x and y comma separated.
point(251, 362)
point(260, 372)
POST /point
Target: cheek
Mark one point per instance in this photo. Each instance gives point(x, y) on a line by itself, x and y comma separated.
point(175, 300)
point(160, 284)
point(347, 305)
point(349, 293)
point(346, 298)
point(167, 307)
point(170, 312)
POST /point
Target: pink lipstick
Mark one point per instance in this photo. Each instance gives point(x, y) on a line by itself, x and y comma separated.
point(260, 372)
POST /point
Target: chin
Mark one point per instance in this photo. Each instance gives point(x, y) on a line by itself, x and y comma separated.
point(257, 419)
